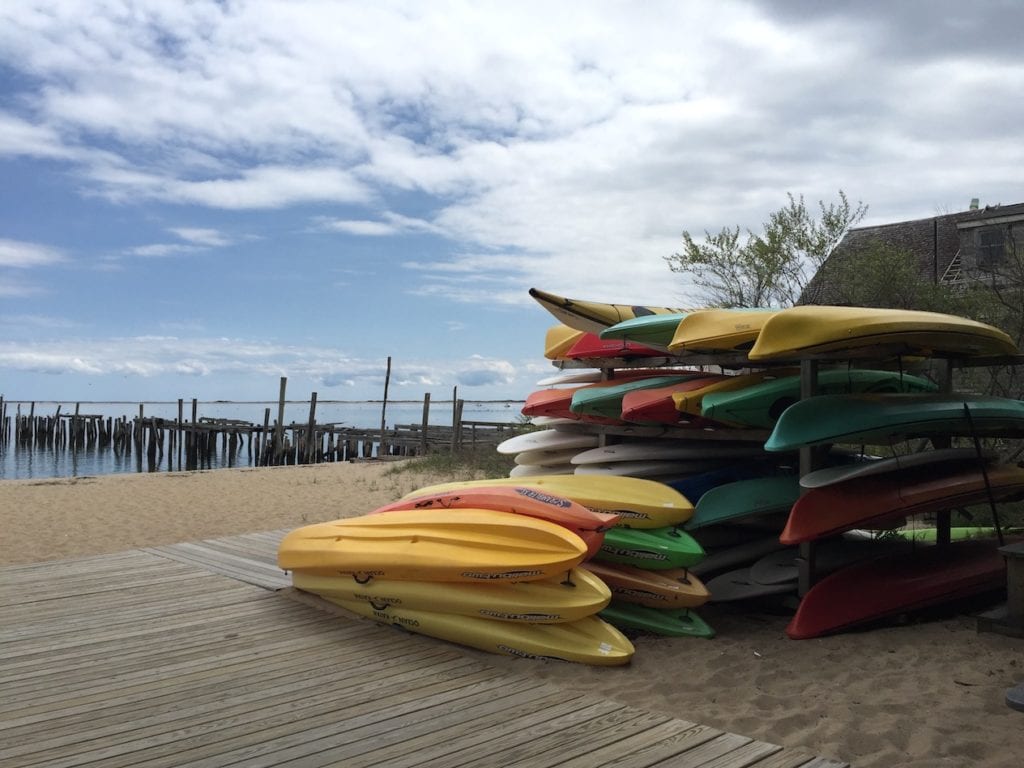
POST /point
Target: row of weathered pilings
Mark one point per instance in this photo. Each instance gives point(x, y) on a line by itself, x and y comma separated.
point(191, 441)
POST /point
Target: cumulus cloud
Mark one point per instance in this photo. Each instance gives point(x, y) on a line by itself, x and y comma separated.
point(22, 255)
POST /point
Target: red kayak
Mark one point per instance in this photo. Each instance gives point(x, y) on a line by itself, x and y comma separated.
point(887, 586)
point(592, 346)
point(865, 501)
point(532, 502)
point(656, 406)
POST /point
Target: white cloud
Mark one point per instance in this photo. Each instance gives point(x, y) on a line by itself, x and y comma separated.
point(202, 236)
point(22, 255)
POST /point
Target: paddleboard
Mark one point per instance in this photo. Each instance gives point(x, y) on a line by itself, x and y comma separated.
point(540, 470)
point(781, 567)
point(547, 440)
point(761, 404)
point(639, 503)
point(874, 499)
point(583, 376)
point(713, 331)
point(682, 622)
point(742, 499)
point(431, 545)
point(589, 640)
point(652, 330)
point(654, 549)
point(673, 468)
point(569, 597)
point(838, 474)
point(896, 584)
point(521, 500)
point(594, 316)
point(670, 588)
point(669, 449)
point(822, 331)
point(545, 458)
point(879, 419)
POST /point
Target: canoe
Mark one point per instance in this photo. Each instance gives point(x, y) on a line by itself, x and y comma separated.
point(896, 584)
point(568, 597)
point(427, 545)
point(656, 406)
point(843, 472)
point(713, 331)
point(819, 331)
point(880, 419)
point(678, 449)
point(594, 316)
point(742, 499)
point(639, 503)
point(670, 588)
point(521, 500)
point(548, 440)
point(681, 622)
point(605, 400)
point(655, 549)
point(761, 404)
point(874, 499)
point(690, 402)
point(651, 330)
point(589, 640)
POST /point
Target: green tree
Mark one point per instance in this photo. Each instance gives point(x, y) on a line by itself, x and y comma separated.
point(770, 269)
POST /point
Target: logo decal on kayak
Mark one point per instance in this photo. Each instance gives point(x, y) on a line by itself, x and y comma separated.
point(639, 554)
point(505, 575)
point(520, 616)
point(556, 501)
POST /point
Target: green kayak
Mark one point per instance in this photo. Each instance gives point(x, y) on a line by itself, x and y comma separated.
point(880, 419)
point(658, 621)
point(745, 498)
point(606, 400)
point(650, 330)
point(760, 405)
point(655, 549)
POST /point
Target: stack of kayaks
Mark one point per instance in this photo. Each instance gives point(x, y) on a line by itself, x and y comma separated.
point(493, 568)
point(645, 552)
point(735, 380)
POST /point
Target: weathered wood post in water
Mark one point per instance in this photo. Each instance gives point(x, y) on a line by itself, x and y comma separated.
point(426, 422)
point(383, 407)
point(279, 427)
point(310, 449)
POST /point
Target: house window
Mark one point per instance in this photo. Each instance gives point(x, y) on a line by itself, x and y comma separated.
point(991, 247)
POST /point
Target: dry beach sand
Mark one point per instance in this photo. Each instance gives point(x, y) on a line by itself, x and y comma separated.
point(924, 695)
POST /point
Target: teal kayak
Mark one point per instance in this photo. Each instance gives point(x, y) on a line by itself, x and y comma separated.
point(658, 621)
point(655, 549)
point(879, 419)
point(760, 405)
point(651, 330)
point(745, 498)
point(606, 400)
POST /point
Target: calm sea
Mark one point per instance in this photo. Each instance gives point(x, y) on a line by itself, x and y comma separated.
point(19, 463)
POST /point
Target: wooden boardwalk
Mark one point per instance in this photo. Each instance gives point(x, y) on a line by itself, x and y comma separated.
point(186, 656)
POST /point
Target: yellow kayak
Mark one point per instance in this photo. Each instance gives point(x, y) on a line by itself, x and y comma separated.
point(589, 640)
point(639, 503)
point(432, 545)
point(567, 597)
point(690, 402)
point(711, 331)
point(559, 339)
point(821, 331)
point(594, 316)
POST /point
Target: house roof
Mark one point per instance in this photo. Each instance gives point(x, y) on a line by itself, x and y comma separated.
point(934, 242)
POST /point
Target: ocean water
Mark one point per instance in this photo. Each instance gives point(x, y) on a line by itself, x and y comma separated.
point(38, 462)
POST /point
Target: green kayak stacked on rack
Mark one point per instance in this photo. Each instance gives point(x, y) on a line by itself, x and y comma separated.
point(658, 621)
point(651, 548)
point(744, 499)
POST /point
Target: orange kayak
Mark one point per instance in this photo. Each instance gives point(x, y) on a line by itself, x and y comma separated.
point(674, 588)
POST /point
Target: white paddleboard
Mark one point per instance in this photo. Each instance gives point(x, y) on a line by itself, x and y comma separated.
point(646, 450)
point(585, 376)
point(536, 470)
point(545, 458)
point(729, 558)
point(548, 440)
point(653, 468)
point(832, 475)
point(780, 566)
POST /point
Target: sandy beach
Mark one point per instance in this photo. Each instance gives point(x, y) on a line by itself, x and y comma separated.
point(923, 695)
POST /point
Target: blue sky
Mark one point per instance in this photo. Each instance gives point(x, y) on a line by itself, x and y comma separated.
point(199, 198)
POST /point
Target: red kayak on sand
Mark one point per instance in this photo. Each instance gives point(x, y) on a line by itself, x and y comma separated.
point(532, 502)
point(864, 501)
point(893, 584)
